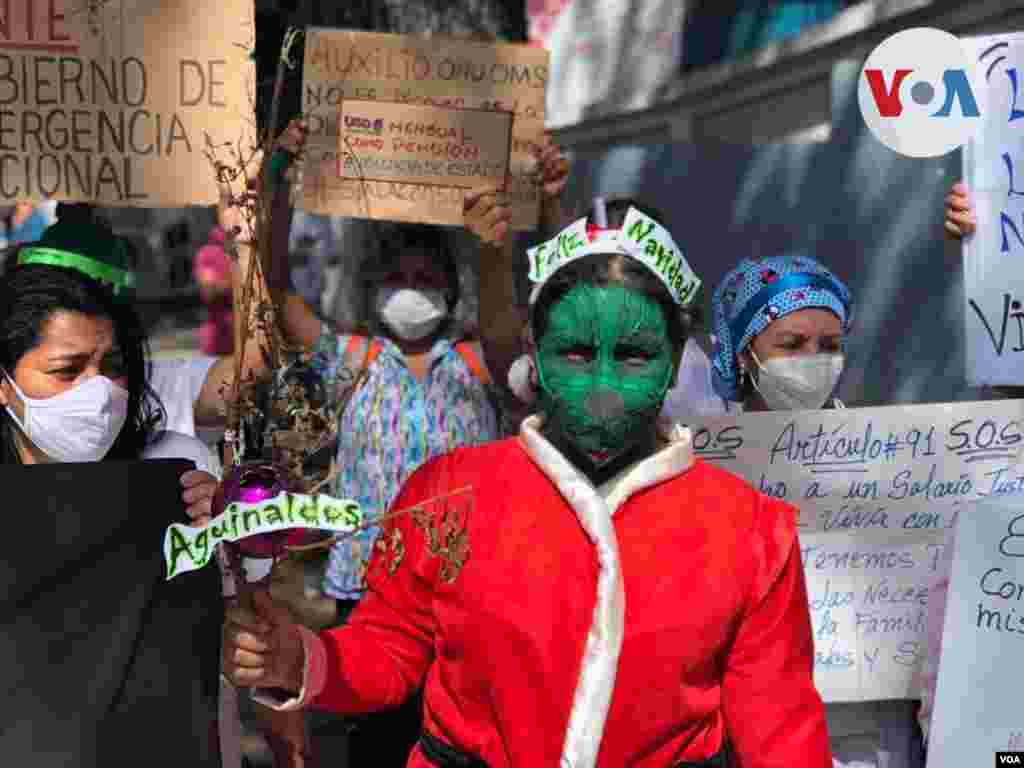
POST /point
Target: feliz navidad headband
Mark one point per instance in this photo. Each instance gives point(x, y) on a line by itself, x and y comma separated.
point(119, 279)
point(640, 238)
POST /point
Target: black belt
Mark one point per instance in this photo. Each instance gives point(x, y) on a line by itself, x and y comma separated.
point(446, 756)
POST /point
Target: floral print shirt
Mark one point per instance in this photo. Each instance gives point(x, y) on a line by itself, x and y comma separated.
point(391, 425)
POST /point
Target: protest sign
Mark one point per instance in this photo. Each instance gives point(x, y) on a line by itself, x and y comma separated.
point(100, 657)
point(416, 70)
point(868, 597)
point(113, 102)
point(977, 702)
point(994, 173)
point(438, 146)
point(876, 489)
point(894, 468)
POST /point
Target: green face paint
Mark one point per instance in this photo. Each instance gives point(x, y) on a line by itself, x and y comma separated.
point(604, 365)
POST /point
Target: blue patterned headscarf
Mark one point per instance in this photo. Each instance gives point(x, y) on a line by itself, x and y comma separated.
point(756, 293)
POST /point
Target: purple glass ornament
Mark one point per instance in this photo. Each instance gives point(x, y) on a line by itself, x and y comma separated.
point(251, 483)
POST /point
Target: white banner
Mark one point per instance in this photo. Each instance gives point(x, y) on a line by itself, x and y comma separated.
point(896, 468)
point(994, 172)
point(978, 708)
point(876, 489)
point(607, 56)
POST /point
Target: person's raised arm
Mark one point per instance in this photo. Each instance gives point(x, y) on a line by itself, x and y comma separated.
point(488, 216)
point(773, 713)
point(298, 324)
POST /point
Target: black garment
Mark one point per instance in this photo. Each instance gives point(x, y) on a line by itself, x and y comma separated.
point(102, 660)
point(444, 755)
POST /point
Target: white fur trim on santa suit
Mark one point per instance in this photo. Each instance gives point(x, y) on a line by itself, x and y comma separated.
point(595, 509)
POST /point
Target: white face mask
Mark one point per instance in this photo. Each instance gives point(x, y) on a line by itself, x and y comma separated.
point(798, 382)
point(75, 426)
point(410, 313)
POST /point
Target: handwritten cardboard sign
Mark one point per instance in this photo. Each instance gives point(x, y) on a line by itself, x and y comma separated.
point(112, 102)
point(876, 489)
point(977, 702)
point(416, 70)
point(994, 172)
point(413, 144)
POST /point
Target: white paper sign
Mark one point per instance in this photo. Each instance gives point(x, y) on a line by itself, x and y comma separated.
point(896, 468)
point(868, 596)
point(978, 707)
point(876, 489)
point(993, 257)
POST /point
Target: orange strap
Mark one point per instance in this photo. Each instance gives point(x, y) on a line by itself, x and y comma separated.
point(371, 354)
point(464, 349)
point(373, 349)
point(350, 349)
point(472, 360)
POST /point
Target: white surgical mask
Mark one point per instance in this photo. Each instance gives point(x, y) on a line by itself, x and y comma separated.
point(75, 426)
point(410, 313)
point(798, 382)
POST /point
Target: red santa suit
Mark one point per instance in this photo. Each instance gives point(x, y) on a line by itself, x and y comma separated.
point(641, 623)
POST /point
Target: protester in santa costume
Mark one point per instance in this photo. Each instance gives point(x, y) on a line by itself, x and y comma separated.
point(606, 599)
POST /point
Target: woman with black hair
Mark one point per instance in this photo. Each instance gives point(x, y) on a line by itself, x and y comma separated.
point(605, 599)
point(73, 365)
point(73, 379)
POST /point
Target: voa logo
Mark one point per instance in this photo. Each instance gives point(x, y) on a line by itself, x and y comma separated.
point(918, 93)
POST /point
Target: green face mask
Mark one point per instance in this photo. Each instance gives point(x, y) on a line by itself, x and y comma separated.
point(604, 365)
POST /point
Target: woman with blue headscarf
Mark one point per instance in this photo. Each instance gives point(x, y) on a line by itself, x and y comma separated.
point(779, 326)
point(779, 330)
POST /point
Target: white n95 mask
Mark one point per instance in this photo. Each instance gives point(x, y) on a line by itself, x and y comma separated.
point(79, 425)
point(410, 313)
point(798, 382)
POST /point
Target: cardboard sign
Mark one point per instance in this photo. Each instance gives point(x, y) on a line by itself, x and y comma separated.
point(994, 173)
point(409, 144)
point(114, 102)
point(876, 488)
point(977, 702)
point(416, 70)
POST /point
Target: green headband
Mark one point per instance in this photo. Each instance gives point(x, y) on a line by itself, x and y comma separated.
point(120, 279)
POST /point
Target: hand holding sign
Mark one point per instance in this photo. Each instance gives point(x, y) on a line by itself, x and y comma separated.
point(200, 488)
point(487, 215)
point(960, 220)
point(552, 168)
point(262, 646)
